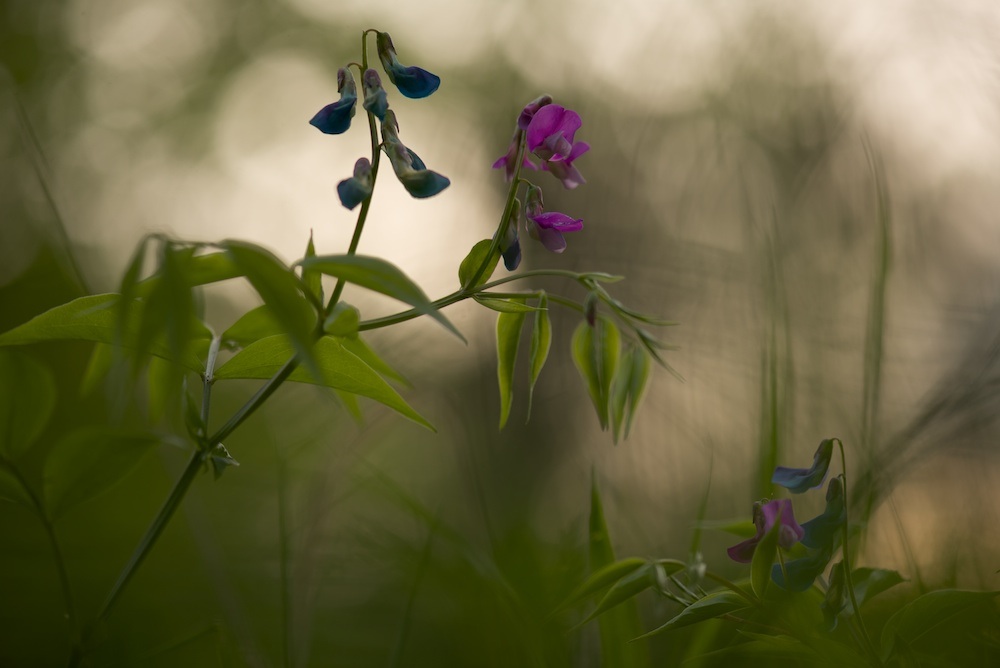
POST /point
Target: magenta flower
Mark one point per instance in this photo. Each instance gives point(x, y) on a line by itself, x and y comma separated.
point(564, 169)
point(547, 227)
point(507, 160)
point(551, 132)
point(764, 517)
point(530, 109)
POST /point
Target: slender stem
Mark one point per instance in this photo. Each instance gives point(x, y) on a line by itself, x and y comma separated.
point(504, 219)
point(869, 647)
point(359, 226)
point(207, 379)
point(254, 403)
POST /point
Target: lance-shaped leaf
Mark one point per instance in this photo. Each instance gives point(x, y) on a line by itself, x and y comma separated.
point(93, 318)
point(595, 352)
point(541, 341)
point(282, 291)
point(195, 270)
point(628, 587)
point(507, 305)
point(27, 399)
point(312, 278)
point(922, 618)
point(380, 276)
point(508, 340)
point(343, 321)
point(601, 579)
point(714, 605)
point(339, 369)
point(358, 346)
point(89, 461)
point(474, 260)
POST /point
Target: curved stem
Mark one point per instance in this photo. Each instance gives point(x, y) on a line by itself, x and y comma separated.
point(869, 647)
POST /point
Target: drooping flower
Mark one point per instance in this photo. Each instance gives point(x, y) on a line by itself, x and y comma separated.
point(507, 160)
point(412, 82)
point(551, 132)
point(411, 171)
point(765, 515)
point(335, 118)
point(375, 98)
point(564, 169)
point(547, 227)
point(530, 109)
point(822, 535)
point(800, 480)
point(510, 245)
point(358, 188)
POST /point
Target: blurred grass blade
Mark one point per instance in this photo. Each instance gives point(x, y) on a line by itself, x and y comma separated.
point(602, 579)
point(714, 605)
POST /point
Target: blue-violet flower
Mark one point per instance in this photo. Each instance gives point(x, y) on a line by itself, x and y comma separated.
point(358, 188)
point(411, 171)
point(335, 118)
point(510, 245)
point(375, 97)
point(800, 480)
point(412, 82)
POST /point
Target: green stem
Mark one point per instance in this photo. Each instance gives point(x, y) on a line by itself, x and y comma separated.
point(254, 403)
point(504, 219)
point(869, 647)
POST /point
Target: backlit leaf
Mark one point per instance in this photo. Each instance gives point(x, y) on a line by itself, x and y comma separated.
point(27, 399)
point(474, 259)
point(508, 340)
point(541, 342)
point(712, 606)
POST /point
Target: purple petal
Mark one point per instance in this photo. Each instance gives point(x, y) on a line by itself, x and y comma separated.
point(566, 172)
point(743, 552)
point(790, 531)
point(558, 221)
point(550, 120)
point(800, 480)
point(335, 118)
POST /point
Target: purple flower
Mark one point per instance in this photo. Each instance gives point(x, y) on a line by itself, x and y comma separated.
point(547, 227)
point(551, 131)
point(764, 517)
point(375, 97)
point(411, 171)
point(564, 169)
point(335, 118)
point(358, 188)
point(800, 480)
point(530, 109)
point(510, 245)
point(507, 160)
point(822, 535)
point(412, 82)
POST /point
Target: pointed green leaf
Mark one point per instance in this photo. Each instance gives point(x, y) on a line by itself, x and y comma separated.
point(504, 305)
point(313, 278)
point(601, 579)
point(93, 318)
point(714, 605)
point(618, 403)
point(254, 325)
point(358, 346)
point(339, 368)
point(27, 399)
point(343, 321)
point(870, 582)
point(508, 339)
point(636, 582)
point(380, 276)
point(11, 489)
point(541, 341)
point(88, 461)
point(351, 405)
point(923, 616)
point(101, 359)
point(472, 262)
point(595, 352)
point(638, 380)
point(196, 270)
point(282, 291)
point(164, 382)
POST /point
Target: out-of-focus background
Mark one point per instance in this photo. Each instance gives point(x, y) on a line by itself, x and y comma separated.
point(809, 189)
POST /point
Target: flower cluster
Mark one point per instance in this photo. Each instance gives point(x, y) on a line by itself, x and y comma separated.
point(335, 118)
point(820, 535)
point(546, 131)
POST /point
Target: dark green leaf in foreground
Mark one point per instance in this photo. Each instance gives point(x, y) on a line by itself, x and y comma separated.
point(339, 369)
point(602, 579)
point(343, 321)
point(636, 582)
point(93, 318)
point(11, 489)
point(88, 461)
point(763, 558)
point(508, 340)
point(27, 398)
point(312, 278)
point(196, 270)
point(380, 276)
point(926, 615)
point(712, 606)
point(474, 259)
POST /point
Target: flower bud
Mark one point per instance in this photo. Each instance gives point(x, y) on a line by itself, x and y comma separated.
point(375, 97)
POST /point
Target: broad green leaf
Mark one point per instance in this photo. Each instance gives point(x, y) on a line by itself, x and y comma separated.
point(343, 321)
point(282, 291)
point(380, 276)
point(763, 559)
point(714, 605)
point(339, 368)
point(472, 262)
point(168, 308)
point(254, 325)
point(11, 489)
point(27, 399)
point(165, 387)
point(508, 339)
point(595, 352)
point(101, 360)
point(638, 380)
point(87, 462)
point(358, 346)
point(618, 402)
point(541, 341)
point(93, 318)
point(504, 305)
point(926, 614)
point(636, 582)
point(312, 278)
point(602, 579)
point(870, 582)
point(197, 270)
point(351, 405)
